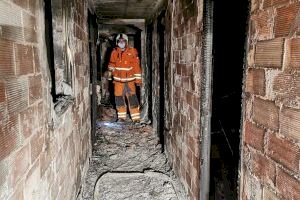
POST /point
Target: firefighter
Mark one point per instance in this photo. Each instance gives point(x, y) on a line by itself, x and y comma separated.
point(125, 68)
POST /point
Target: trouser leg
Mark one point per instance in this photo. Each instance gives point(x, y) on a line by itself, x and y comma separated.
point(133, 102)
point(120, 101)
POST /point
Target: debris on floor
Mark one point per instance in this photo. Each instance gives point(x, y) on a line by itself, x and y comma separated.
point(108, 113)
point(127, 163)
point(143, 186)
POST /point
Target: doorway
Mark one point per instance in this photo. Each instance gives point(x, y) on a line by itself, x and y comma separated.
point(162, 82)
point(229, 34)
point(93, 34)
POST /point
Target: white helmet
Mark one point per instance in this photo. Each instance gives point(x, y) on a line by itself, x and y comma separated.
point(121, 36)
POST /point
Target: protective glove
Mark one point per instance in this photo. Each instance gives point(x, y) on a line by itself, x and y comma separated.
point(108, 75)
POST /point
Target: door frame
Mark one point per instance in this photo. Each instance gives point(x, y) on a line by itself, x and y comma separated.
point(93, 53)
point(206, 99)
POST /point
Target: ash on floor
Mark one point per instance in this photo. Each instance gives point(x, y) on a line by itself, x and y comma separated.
point(127, 163)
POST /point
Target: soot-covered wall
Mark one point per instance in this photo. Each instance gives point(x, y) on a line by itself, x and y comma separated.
point(43, 151)
point(182, 50)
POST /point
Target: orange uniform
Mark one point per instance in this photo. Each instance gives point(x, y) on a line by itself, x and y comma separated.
point(126, 71)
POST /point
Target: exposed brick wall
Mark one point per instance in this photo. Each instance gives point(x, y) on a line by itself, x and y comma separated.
point(271, 151)
point(42, 155)
point(184, 20)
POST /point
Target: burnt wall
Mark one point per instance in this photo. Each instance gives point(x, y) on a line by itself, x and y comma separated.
point(44, 145)
point(178, 72)
point(270, 150)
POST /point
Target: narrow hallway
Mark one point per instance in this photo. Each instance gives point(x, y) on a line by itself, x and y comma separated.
point(149, 100)
point(127, 163)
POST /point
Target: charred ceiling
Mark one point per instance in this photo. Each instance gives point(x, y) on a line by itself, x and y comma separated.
point(126, 9)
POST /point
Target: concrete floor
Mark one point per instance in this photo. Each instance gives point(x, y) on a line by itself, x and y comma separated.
point(127, 163)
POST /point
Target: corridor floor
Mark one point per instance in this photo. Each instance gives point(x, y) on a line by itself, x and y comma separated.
point(127, 163)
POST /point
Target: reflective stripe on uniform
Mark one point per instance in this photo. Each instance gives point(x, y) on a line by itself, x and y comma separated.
point(135, 117)
point(124, 79)
point(138, 76)
point(122, 113)
point(123, 69)
point(135, 114)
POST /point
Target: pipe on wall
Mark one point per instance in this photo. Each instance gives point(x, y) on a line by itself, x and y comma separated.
point(206, 99)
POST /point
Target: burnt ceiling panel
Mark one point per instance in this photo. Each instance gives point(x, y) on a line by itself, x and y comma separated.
point(126, 9)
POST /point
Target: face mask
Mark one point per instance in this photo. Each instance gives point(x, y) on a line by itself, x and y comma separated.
point(121, 45)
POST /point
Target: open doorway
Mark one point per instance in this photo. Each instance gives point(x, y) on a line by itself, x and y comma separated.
point(92, 28)
point(229, 34)
point(161, 61)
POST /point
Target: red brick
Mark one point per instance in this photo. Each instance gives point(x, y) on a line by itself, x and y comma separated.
point(254, 136)
point(269, 53)
point(294, 49)
point(188, 179)
point(186, 70)
point(41, 114)
point(2, 92)
point(256, 82)
point(37, 143)
point(35, 88)
point(263, 168)
point(266, 113)
point(195, 191)
point(9, 136)
point(192, 115)
point(14, 33)
point(189, 98)
point(32, 6)
point(24, 59)
point(287, 85)
point(268, 3)
point(7, 65)
point(17, 95)
point(290, 123)
point(28, 121)
point(287, 185)
point(78, 59)
point(264, 25)
point(20, 164)
point(37, 67)
point(196, 102)
point(186, 83)
point(184, 42)
point(285, 19)
point(190, 155)
point(283, 152)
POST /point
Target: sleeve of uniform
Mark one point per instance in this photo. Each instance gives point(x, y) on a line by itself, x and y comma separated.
point(112, 61)
point(137, 67)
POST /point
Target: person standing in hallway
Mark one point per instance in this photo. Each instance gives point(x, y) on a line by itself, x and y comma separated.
point(124, 67)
